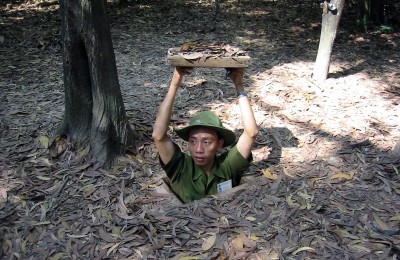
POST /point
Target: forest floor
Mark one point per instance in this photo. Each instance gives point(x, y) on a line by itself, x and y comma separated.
point(325, 160)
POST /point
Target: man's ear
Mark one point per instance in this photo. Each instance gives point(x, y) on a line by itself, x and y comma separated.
point(221, 143)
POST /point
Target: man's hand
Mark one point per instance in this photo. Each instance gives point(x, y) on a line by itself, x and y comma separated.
point(236, 75)
point(183, 71)
point(178, 75)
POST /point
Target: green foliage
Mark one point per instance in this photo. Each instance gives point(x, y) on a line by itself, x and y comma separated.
point(369, 14)
point(385, 29)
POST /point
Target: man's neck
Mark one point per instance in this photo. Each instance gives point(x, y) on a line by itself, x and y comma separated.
point(207, 169)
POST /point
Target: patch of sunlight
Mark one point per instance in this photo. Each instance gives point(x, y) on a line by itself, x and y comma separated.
point(296, 29)
point(349, 105)
point(243, 40)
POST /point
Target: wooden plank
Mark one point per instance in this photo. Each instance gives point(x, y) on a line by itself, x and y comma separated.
point(177, 59)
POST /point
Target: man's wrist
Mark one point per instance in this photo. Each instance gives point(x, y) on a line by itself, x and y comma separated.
point(241, 94)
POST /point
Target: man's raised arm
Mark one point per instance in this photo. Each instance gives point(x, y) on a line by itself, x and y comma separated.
point(247, 139)
point(163, 142)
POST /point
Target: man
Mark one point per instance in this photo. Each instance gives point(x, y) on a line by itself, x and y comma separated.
point(203, 172)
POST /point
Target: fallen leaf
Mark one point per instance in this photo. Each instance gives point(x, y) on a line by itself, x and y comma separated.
point(238, 243)
point(106, 236)
point(250, 218)
point(61, 233)
point(314, 179)
point(191, 56)
point(224, 220)
point(58, 256)
point(395, 218)
point(76, 236)
point(359, 248)
point(209, 242)
point(44, 141)
point(377, 209)
point(269, 175)
point(109, 251)
point(305, 248)
point(382, 225)
point(43, 178)
point(45, 162)
point(342, 175)
point(250, 244)
point(189, 258)
point(290, 202)
point(255, 238)
point(345, 234)
point(210, 213)
point(41, 223)
point(3, 193)
point(23, 245)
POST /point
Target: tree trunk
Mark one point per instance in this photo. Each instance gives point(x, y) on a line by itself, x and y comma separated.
point(94, 110)
point(330, 22)
point(365, 13)
point(377, 11)
point(217, 9)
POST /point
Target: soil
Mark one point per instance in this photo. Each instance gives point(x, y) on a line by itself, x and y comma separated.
point(326, 162)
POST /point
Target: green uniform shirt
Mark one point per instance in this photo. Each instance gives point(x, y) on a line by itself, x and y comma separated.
point(190, 183)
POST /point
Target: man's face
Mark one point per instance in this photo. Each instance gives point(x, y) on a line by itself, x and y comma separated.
point(203, 145)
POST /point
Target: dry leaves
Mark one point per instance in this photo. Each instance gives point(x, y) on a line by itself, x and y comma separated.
point(85, 210)
point(192, 50)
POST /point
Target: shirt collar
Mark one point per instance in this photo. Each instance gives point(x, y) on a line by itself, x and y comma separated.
point(198, 172)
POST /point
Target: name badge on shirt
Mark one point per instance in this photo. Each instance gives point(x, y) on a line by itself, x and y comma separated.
point(226, 185)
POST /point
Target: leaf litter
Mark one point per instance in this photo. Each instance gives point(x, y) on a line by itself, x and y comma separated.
point(325, 183)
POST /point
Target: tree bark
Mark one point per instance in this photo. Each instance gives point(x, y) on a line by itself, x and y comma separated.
point(217, 9)
point(330, 22)
point(365, 13)
point(94, 110)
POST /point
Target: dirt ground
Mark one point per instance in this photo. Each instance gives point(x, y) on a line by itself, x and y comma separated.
point(325, 161)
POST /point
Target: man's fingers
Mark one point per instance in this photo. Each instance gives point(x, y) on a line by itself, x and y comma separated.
point(234, 73)
point(228, 73)
point(184, 70)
